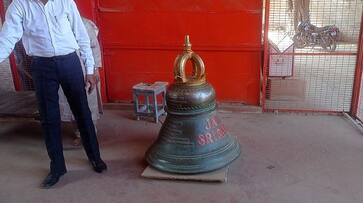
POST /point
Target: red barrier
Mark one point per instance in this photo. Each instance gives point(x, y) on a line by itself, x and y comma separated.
point(142, 38)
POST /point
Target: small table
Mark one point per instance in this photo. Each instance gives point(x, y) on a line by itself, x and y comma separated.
point(143, 93)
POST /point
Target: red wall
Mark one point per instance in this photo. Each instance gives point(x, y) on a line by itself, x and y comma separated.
point(142, 38)
point(87, 8)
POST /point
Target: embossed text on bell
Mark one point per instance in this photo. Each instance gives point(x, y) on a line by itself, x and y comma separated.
point(192, 139)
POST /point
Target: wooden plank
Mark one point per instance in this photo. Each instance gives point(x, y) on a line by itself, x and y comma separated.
point(215, 176)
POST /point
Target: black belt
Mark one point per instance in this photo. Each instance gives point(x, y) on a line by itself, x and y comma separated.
point(54, 57)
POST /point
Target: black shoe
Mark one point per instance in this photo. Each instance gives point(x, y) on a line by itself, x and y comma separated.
point(98, 166)
point(50, 180)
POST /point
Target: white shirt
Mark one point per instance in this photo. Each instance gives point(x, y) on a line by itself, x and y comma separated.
point(47, 30)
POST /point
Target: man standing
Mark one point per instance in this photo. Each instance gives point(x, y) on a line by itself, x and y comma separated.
point(52, 31)
point(94, 99)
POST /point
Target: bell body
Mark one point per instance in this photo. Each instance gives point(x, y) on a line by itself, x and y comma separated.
point(192, 139)
point(191, 145)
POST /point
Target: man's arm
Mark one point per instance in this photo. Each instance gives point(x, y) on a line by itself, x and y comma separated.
point(96, 49)
point(12, 30)
point(95, 45)
point(82, 37)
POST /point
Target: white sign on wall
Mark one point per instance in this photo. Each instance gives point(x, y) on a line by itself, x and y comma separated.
point(281, 57)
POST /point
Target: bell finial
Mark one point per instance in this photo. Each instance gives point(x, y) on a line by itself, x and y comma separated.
point(187, 44)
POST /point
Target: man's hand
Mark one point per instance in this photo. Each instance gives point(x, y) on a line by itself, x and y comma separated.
point(97, 74)
point(91, 83)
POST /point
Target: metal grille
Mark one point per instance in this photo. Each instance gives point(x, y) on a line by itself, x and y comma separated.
point(22, 62)
point(311, 78)
point(5, 74)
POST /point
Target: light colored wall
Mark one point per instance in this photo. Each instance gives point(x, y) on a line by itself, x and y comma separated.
point(345, 14)
point(6, 80)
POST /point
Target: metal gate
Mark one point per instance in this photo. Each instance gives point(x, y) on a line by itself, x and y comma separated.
point(311, 49)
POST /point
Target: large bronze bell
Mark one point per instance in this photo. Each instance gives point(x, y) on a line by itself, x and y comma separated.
point(192, 139)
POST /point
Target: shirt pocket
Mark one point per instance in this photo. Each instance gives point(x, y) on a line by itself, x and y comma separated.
point(62, 23)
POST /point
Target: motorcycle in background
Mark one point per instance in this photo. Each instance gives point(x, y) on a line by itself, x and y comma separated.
point(308, 34)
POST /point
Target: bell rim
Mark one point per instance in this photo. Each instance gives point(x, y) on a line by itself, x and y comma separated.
point(221, 150)
point(233, 154)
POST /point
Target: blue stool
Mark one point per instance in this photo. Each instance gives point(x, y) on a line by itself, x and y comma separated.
point(150, 107)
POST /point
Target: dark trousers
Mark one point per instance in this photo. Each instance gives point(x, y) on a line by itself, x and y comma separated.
point(48, 74)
